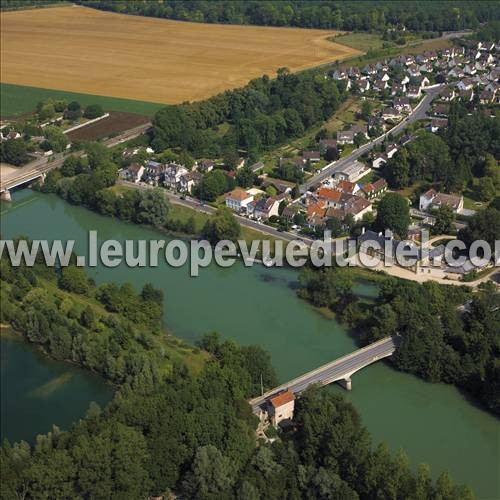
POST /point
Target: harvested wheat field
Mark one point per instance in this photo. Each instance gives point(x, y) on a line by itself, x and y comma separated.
point(84, 50)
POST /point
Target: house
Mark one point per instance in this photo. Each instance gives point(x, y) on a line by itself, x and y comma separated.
point(441, 110)
point(280, 185)
point(173, 174)
point(466, 95)
point(326, 144)
point(378, 160)
point(398, 89)
point(351, 172)
point(316, 214)
point(448, 94)
point(339, 75)
point(357, 206)
point(391, 150)
point(360, 129)
point(311, 156)
point(363, 86)
point(380, 85)
point(256, 167)
point(437, 123)
point(465, 84)
point(238, 200)
point(189, 181)
point(402, 104)
point(486, 97)
point(434, 200)
point(414, 92)
point(265, 208)
point(372, 238)
point(205, 165)
point(391, 114)
point(154, 172)
point(290, 212)
point(329, 197)
point(375, 189)
point(423, 82)
point(385, 77)
point(281, 407)
point(348, 187)
point(345, 137)
point(134, 172)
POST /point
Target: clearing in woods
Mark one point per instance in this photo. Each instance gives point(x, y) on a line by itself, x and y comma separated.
point(79, 49)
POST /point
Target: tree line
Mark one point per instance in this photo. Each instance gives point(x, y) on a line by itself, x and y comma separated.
point(363, 15)
point(257, 117)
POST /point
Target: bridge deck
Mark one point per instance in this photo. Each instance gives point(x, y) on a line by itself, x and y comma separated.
point(338, 369)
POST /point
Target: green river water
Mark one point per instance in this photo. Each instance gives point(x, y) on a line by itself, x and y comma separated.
point(434, 423)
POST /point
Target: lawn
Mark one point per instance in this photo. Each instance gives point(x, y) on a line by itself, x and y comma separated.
point(17, 99)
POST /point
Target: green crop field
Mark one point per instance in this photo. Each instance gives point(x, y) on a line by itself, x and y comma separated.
point(17, 99)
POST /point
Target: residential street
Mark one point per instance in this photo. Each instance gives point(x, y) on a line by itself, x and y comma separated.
point(419, 113)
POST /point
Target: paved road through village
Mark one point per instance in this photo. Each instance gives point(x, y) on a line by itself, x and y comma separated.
point(419, 113)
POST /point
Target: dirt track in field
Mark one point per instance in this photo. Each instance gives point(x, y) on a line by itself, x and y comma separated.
point(85, 50)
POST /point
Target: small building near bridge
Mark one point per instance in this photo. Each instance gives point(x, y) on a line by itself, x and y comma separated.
point(281, 407)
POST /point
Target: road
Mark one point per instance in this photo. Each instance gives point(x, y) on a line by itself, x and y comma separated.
point(208, 209)
point(418, 113)
point(339, 369)
point(41, 166)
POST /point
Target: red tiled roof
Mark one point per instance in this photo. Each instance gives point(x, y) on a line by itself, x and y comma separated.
point(329, 194)
point(282, 399)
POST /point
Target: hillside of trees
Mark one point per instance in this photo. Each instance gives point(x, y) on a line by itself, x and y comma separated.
point(442, 341)
point(175, 430)
point(326, 14)
point(259, 116)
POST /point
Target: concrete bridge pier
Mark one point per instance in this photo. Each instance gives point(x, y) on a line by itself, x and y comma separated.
point(5, 195)
point(346, 383)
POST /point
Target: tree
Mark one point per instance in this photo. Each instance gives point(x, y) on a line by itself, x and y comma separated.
point(245, 177)
point(70, 166)
point(223, 226)
point(486, 190)
point(230, 158)
point(366, 110)
point(332, 154)
point(335, 226)
point(56, 138)
point(153, 208)
point(393, 213)
point(212, 185)
point(97, 154)
point(13, 151)
point(211, 475)
point(93, 111)
point(74, 279)
point(444, 220)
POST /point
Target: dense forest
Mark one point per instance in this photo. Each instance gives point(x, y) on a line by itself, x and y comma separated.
point(447, 334)
point(358, 15)
point(257, 117)
point(174, 429)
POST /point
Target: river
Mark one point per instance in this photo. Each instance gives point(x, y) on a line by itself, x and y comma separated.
point(434, 423)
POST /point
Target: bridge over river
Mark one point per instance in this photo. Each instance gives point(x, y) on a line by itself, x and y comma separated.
point(339, 370)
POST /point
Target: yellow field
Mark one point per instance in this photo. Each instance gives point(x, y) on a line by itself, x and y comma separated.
point(84, 50)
